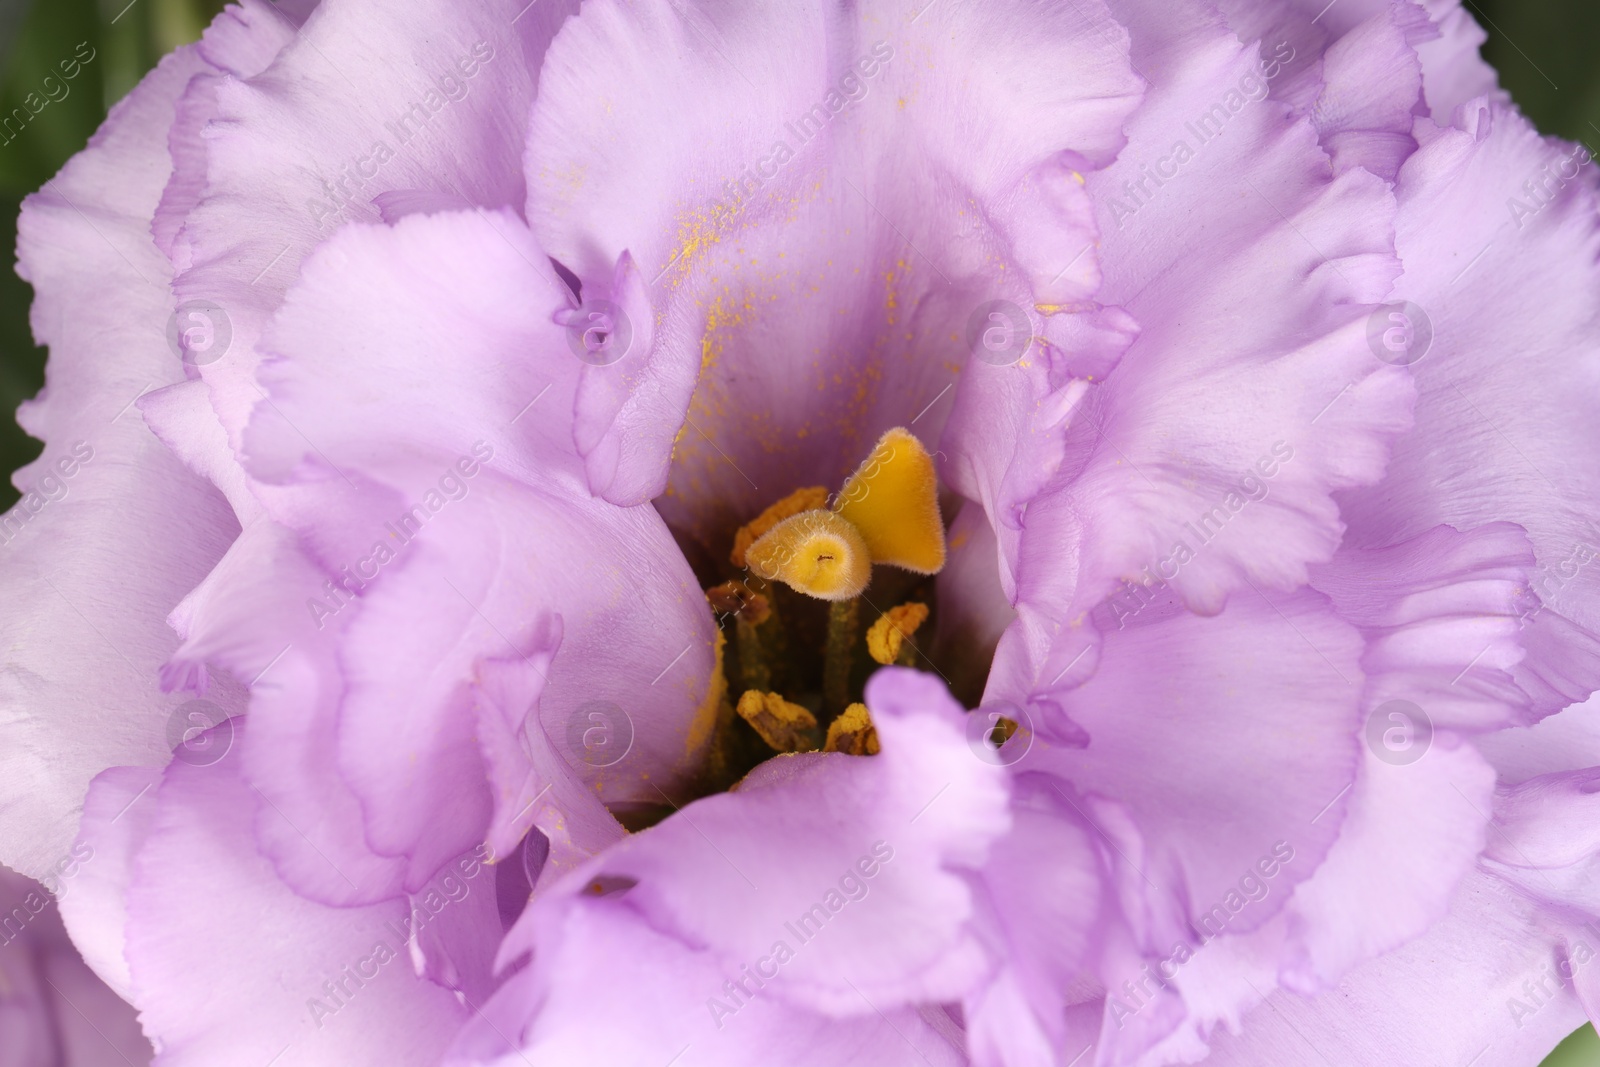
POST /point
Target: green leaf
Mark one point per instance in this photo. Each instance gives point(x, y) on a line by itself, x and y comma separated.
point(1582, 1049)
point(1546, 58)
point(52, 99)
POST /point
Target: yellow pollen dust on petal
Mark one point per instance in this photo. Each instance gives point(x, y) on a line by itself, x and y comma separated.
point(853, 733)
point(704, 723)
point(784, 726)
point(811, 498)
point(885, 636)
point(893, 499)
point(816, 552)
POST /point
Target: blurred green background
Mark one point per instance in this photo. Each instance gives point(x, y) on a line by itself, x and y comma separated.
point(1545, 51)
point(34, 36)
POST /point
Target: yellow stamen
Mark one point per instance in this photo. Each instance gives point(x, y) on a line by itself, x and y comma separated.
point(736, 598)
point(893, 499)
point(885, 636)
point(816, 552)
point(809, 499)
point(1004, 729)
point(839, 654)
point(784, 726)
point(852, 733)
point(754, 670)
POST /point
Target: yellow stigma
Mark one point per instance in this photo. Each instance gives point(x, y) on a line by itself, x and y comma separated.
point(816, 552)
point(893, 499)
point(887, 512)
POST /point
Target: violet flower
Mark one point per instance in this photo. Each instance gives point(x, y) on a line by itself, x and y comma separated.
point(1032, 533)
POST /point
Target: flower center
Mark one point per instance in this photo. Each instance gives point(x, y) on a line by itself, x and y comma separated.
point(887, 512)
point(812, 570)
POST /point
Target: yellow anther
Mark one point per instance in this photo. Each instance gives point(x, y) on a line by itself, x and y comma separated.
point(736, 598)
point(816, 552)
point(1004, 729)
point(809, 499)
point(852, 732)
point(784, 726)
point(893, 499)
point(885, 636)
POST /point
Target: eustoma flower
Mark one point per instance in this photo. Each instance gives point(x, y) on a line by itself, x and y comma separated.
point(673, 533)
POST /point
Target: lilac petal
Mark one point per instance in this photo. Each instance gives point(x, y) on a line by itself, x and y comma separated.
point(1566, 741)
point(606, 395)
point(1050, 910)
point(241, 43)
point(249, 619)
point(182, 417)
point(80, 696)
point(1447, 45)
point(794, 78)
point(1441, 615)
point(536, 791)
point(1309, 346)
point(779, 276)
point(1543, 830)
point(885, 847)
point(1416, 820)
point(54, 1011)
point(645, 653)
point(1212, 772)
point(456, 926)
point(1493, 436)
point(292, 152)
point(506, 694)
point(1157, 488)
point(1560, 666)
point(1453, 71)
point(1547, 838)
point(95, 906)
point(1440, 639)
point(1356, 72)
point(1005, 471)
point(209, 923)
point(1460, 993)
point(973, 610)
point(664, 994)
point(1412, 834)
point(518, 535)
point(1372, 87)
point(458, 291)
point(933, 806)
point(1290, 44)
